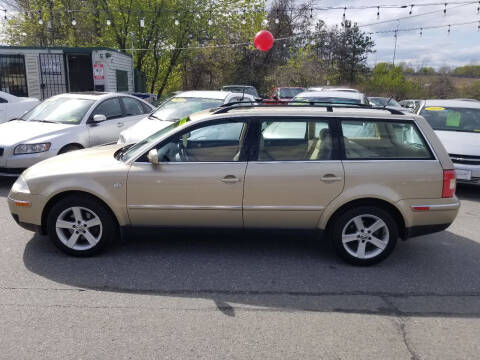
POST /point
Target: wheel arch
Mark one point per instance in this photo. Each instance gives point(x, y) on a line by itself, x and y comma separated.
point(78, 145)
point(54, 199)
point(369, 201)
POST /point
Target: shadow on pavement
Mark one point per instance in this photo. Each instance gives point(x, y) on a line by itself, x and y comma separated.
point(436, 275)
point(468, 192)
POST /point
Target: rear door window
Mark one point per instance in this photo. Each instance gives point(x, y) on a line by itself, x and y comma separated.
point(377, 139)
point(307, 140)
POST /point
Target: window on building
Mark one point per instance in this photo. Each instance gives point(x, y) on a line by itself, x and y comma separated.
point(122, 80)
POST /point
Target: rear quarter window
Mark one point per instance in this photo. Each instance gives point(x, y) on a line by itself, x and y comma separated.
point(383, 139)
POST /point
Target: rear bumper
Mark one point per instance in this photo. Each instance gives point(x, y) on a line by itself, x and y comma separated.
point(420, 230)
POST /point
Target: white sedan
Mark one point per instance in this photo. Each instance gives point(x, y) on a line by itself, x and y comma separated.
point(65, 123)
point(179, 106)
point(12, 107)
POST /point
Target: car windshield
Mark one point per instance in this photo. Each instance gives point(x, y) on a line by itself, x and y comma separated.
point(180, 107)
point(241, 90)
point(139, 147)
point(452, 118)
point(64, 110)
point(378, 101)
point(326, 100)
point(290, 92)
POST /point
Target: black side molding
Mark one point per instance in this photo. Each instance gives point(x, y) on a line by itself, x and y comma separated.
point(424, 230)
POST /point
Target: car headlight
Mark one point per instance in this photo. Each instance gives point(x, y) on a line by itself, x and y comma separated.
point(31, 148)
point(20, 186)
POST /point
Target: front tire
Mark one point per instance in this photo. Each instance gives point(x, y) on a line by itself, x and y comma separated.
point(80, 226)
point(364, 235)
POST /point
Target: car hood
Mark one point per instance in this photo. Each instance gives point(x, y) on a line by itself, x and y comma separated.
point(88, 162)
point(141, 130)
point(17, 131)
point(460, 143)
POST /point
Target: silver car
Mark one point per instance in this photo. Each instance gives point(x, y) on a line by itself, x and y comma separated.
point(64, 123)
point(457, 124)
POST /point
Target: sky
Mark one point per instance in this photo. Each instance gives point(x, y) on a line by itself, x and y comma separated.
point(434, 48)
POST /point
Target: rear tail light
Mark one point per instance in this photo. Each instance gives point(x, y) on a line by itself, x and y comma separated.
point(449, 183)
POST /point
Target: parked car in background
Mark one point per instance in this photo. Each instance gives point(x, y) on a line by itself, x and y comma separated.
point(412, 105)
point(221, 169)
point(64, 123)
point(383, 101)
point(247, 89)
point(328, 96)
point(331, 88)
point(457, 124)
point(178, 107)
point(12, 107)
point(282, 95)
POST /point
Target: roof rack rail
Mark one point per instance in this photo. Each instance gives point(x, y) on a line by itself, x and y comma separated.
point(222, 109)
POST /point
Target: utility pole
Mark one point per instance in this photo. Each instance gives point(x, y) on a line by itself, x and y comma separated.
point(396, 37)
point(395, 48)
point(133, 59)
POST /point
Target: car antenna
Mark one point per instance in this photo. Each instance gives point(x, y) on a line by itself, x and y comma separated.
point(388, 102)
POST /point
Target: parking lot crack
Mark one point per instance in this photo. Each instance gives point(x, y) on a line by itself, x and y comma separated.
point(400, 320)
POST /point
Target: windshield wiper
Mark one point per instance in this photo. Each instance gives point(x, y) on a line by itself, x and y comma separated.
point(45, 121)
point(151, 116)
point(119, 154)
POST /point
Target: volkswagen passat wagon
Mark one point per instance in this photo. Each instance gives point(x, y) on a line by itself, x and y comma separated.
point(362, 177)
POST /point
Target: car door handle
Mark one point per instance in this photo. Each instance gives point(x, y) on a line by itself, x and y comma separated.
point(120, 124)
point(330, 178)
point(230, 179)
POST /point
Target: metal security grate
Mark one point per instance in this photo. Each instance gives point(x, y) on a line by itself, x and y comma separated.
point(13, 79)
point(52, 71)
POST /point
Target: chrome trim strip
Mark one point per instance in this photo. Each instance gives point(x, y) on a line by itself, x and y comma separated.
point(390, 160)
point(436, 207)
point(190, 162)
point(294, 161)
point(284, 207)
point(186, 207)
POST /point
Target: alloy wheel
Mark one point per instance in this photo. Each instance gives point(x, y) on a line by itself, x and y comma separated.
point(365, 236)
point(79, 228)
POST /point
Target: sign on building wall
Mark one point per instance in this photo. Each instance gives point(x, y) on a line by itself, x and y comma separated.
point(98, 73)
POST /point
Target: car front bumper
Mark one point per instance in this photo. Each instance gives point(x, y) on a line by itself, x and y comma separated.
point(467, 173)
point(26, 210)
point(13, 165)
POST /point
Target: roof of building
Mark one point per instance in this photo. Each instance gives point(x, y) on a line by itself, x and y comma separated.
point(65, 49)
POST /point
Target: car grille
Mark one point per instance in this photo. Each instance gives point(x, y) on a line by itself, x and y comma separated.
point(11, 171)
point(1, 151)
point(465, 159)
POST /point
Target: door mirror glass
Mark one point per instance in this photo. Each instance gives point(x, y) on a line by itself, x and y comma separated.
point(99, 118)
point(153, 156)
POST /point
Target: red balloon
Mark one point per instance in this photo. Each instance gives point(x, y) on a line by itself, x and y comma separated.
point(263, 40)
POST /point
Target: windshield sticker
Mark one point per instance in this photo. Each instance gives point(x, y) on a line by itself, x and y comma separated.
point(178, 99)
point(435, 108)
point(453, 119)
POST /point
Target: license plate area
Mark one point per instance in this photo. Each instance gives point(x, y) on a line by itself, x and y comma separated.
point(463, 174)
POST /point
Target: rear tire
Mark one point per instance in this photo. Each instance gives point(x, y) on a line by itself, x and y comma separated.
point(364, 235)
point(80, 226)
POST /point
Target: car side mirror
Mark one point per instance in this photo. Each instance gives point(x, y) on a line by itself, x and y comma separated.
point(153, 156)
point(99, 118)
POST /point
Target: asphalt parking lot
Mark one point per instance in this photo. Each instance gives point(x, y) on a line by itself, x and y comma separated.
point(221, 297)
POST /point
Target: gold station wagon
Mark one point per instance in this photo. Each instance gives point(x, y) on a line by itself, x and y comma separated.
point(362, 176)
